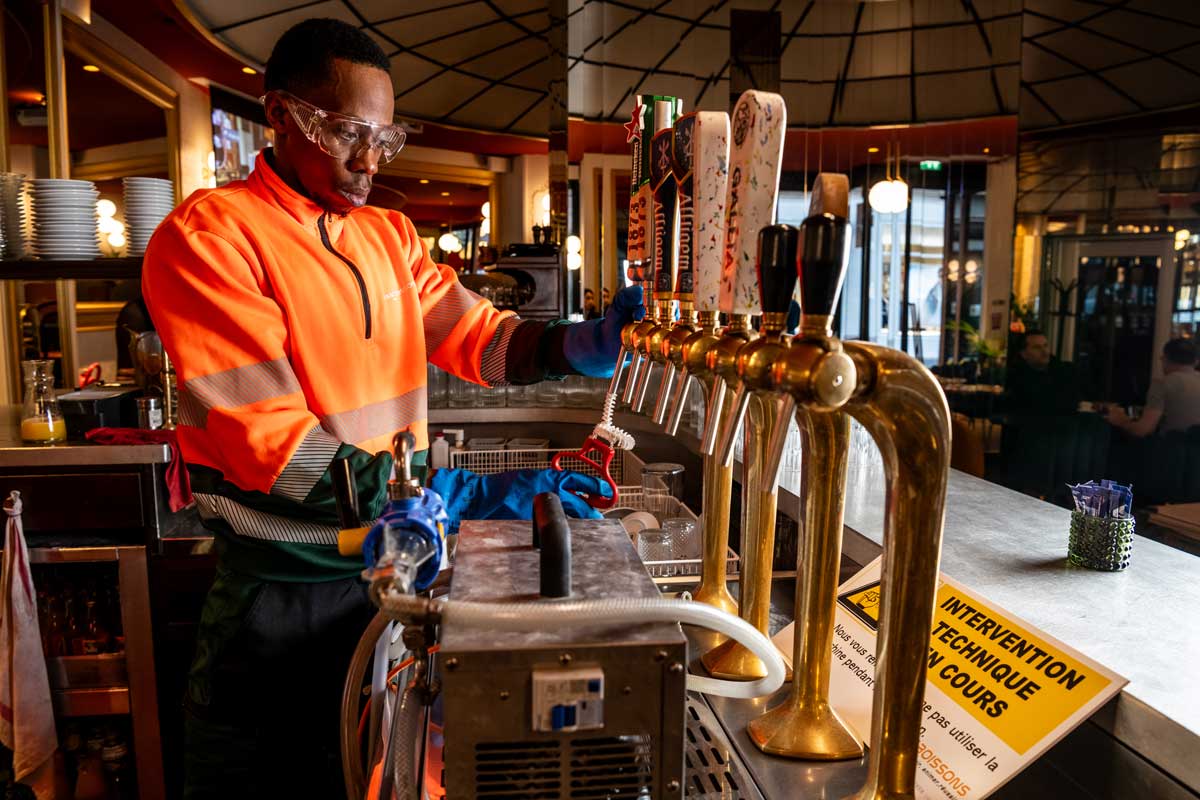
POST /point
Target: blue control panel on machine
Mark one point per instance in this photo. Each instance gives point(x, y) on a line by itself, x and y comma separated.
point(568, 699)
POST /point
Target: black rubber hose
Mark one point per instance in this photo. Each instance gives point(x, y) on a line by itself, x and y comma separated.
point(551, 527)
point(345, 493)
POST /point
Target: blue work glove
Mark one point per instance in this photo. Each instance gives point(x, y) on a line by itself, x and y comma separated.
point(591, 347)
point(509, 495)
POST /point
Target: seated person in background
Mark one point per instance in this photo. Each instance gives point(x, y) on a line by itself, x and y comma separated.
point(1039, 384)
point(1173, 402)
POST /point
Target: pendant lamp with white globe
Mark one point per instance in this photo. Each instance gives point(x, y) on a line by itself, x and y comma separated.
point(890, 195)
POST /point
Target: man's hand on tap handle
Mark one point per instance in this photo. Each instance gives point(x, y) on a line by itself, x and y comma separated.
point(509, 495)
point(591, 347)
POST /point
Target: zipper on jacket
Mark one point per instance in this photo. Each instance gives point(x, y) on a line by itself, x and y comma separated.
point(362, 284)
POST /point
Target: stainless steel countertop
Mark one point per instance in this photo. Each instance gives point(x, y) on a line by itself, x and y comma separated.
point(1142, 622)
point(15, 453)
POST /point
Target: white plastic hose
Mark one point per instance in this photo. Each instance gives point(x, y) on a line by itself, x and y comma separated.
point(538, 616)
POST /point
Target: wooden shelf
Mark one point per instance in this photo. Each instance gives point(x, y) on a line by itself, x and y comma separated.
point(94, 269)
point(91, 702)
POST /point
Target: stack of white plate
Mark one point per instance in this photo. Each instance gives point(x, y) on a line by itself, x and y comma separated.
point(147, 201)
point(64, 219)
point(12, 215)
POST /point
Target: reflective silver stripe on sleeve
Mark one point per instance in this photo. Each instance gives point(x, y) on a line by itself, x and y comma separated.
point(494, 365)
point(445, 314)
point(306, 465)
point(377, 419)
point(235, 387)
point(246, 521)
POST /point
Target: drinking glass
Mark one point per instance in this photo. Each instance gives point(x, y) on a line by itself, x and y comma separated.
point(654, 544)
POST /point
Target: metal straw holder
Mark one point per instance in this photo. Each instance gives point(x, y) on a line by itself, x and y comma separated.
point(1102, 543)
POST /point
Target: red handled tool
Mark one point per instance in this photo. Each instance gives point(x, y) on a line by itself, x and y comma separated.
point(599, 448)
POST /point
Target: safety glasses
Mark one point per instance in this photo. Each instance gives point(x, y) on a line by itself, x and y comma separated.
point(340, 136)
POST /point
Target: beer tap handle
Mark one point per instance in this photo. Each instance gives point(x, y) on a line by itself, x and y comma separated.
point(758, 127)
point(821, 267)
point(716, 404)
point(677, 403)
point(741, 401)
point(776, 266)
point(666, 196)
point(710, 183)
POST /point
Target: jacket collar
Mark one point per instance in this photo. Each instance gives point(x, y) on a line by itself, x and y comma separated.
point(266, 183)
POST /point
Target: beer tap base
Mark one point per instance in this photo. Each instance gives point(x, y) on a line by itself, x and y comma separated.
point(717, 597)
point(804, 729)
point(732, 661)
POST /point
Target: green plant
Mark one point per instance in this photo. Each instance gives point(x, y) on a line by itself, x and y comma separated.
point(986, 350)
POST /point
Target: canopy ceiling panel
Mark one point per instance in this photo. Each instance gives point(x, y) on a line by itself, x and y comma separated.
point(841, 63)
point(1091, 60)
point(455, 62)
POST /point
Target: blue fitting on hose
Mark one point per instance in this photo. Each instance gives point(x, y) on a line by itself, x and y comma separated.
point(423, 517)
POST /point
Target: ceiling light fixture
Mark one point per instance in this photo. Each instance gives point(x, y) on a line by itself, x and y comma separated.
point(90, 68)
point(250, 70)
point(872, 149)
point(423, 181)
point(890, 195)
point(449, 243)
point(445, 194)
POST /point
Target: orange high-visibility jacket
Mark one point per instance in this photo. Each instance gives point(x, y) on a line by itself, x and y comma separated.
point(295, 331)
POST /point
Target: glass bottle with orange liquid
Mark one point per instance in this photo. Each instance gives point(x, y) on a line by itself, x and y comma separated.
point(42, 419)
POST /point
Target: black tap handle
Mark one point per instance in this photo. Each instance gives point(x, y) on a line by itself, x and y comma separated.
point(822, 263)
point(777, 266)
point(345, 494)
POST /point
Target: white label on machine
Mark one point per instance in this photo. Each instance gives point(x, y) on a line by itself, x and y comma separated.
point(568, 699)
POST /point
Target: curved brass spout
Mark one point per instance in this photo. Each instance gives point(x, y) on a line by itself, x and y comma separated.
point(672, 353)
point(732, 660)
point(637, 346)
point(820, 378)
point(652, 351)
point(718, 479)
point(903, 407)
point(721, 361)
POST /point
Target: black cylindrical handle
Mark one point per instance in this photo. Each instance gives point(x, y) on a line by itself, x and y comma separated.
point(551, 528)
point(345, 493)
point(777, 266)
point(821, 264)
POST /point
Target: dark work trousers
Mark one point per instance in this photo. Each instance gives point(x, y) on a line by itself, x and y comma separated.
point(264, 692)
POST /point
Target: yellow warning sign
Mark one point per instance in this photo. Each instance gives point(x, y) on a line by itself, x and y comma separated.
point(1011, 679)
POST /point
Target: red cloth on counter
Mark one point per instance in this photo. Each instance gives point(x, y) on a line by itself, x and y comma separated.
point(179, 485)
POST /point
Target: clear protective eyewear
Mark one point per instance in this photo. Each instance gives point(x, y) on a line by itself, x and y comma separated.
point(341, 136)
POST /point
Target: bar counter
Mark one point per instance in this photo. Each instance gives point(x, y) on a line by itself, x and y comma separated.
point(1012, 550)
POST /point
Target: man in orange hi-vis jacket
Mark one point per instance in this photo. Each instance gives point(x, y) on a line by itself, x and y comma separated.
point(300, 322)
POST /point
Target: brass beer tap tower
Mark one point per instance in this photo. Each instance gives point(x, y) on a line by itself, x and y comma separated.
point(702, 243)
point(758, 399)
point(904, 409)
